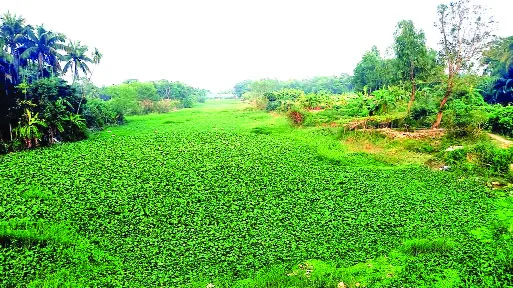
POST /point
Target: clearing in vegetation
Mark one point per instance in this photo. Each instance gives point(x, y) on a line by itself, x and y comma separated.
point(226, 195)
point(503, 142)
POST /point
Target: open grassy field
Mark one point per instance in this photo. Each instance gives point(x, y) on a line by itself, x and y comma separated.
point(226, 195)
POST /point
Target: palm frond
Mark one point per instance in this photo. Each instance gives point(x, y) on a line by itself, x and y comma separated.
point(66, 67)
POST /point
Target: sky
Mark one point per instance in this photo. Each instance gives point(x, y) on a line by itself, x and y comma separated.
point(215, 44)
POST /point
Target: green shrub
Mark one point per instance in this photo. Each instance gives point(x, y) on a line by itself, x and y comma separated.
point(325, 116)
point(74, 128)
point(464, 120)
point(124, 99)
point(201, 98)
point(357, 106)
point(495, 159)
point(98, 114)
point(284, 94)
point(145, 91)
point(425, 108)
point(501, 120)
point(312, 100)
point(124, 105)
point(456, 156)
point(272, 105)
point(282, 99)
point(161, 106)
point(483, 158)
point(382, 101)
point(187, 102)
point(421, 116)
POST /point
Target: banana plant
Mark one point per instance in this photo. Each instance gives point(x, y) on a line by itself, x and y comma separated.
point(383, 101)
point(76, 120)
point(23, 87)
point(75, 127)
point(29, 129)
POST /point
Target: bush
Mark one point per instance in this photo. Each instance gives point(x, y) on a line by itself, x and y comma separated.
point(272, 106)
point(311, 100)
point(494, 159)
point(202, 98)
point(357, 106)
point(456, 156)
point(484, 158)
point(187, 102)
point(146, 106)
point(259, 103)
point(463, 120)
point(323, 117)
point(164, 106)
point(74, 128)
point(297, 116)
point(421, 116)
point(284, 94)
point(98, 114)
point(501, 120)
point(280, 100)
point(125, 106)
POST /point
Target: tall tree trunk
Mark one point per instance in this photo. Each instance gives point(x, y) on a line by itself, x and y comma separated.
point(40, 62)
point(413, 86)
point(10, 131)
point(16, 65)
point(75, 72)
point(448, 92)
point(81, 99)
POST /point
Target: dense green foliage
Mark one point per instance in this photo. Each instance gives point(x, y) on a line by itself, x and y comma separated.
point(223, 195)
point(373, 72)
point(39, 108)
point(134, 97)
point(501, 120)
point(194, 197)
point(482, 158)
point(333, 84)
point(416, 88)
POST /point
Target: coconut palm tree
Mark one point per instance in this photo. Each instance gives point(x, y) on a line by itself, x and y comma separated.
point(44, 47)
point(76, 59)
point(6, 59)
point(97, 56)
point(13, 33)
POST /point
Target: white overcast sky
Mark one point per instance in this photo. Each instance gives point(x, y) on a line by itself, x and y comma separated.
point(215, 44)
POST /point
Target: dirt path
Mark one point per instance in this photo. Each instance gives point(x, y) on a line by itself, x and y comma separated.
point(398, 134)
point(504, 143)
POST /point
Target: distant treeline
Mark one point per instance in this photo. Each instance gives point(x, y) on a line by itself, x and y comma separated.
point(330, 84)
